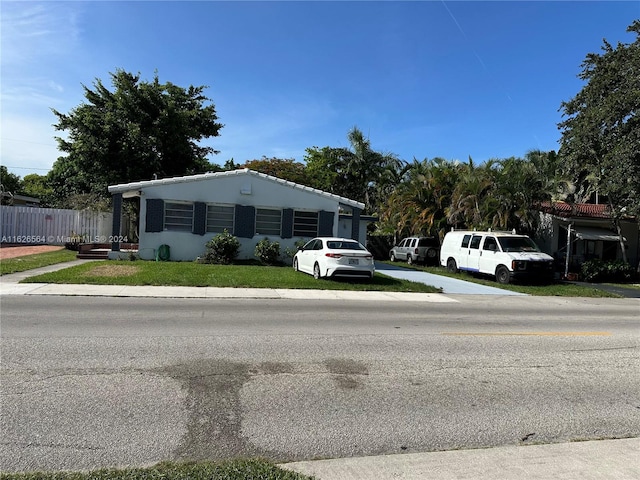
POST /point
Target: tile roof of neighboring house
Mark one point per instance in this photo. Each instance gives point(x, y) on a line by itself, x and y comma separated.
point(583, 210)
point(127, 187)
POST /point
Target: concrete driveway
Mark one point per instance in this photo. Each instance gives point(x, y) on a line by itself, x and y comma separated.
point(447, 284)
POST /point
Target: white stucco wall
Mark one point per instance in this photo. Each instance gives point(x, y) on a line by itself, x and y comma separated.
point(229, 189)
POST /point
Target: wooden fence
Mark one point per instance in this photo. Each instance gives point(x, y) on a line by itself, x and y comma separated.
point(51, 226)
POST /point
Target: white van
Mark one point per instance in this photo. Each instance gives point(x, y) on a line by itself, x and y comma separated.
point(504, 255)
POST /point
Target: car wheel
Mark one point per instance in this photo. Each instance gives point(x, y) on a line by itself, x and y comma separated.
point(452, 266)
point(316, 271)
point(295, 264)
point(431, 253)
point(502, 275)
point(392, 257)
point(409, 259)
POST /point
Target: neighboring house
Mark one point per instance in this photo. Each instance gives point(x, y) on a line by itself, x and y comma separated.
point(589, 232)
point(186, 212)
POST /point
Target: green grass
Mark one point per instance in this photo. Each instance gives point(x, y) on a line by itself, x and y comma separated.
point(193, 274)
point(29, 262)
point(556, 289)
point(230, 470)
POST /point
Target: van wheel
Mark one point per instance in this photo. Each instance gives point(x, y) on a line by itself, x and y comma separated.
point(452, 266)
point(502, 275)
point(316, 271)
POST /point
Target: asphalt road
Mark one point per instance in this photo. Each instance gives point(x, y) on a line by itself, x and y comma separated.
point(92, 382)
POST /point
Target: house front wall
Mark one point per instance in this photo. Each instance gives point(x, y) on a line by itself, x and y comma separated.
point(231, 192)
point(552, 239)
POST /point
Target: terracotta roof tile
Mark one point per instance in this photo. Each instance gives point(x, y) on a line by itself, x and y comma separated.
point(584, 210)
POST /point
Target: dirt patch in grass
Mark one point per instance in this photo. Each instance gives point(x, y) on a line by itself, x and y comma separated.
point(12, 251)
point(113, 271)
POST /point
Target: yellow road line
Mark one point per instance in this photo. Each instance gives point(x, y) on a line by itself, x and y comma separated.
point(542, 334)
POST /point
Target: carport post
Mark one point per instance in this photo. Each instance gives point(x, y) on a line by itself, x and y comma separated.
point(566, 262)
point(115, 225)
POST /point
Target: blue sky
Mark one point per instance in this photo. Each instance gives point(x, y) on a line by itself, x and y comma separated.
point(421, 79)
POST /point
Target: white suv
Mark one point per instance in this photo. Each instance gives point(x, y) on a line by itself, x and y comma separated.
point(504, 255)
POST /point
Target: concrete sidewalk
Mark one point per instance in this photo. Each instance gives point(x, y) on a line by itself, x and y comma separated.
point(600, 459)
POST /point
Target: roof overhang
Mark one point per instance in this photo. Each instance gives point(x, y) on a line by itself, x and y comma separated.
point(592, 233)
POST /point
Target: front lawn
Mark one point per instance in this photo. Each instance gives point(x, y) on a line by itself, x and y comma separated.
point(191, 274)
point(230, 470)
point(29, 262)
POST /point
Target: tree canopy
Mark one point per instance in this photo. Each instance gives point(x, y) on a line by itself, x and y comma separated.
point(358, 172)
point(133, 132)
point(287, 169)
point(600, 144)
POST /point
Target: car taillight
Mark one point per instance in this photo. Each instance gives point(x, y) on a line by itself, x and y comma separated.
point(416, 251)
point(368, 257)
point(333, 255)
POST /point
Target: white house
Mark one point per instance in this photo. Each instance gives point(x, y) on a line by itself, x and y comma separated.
point(186, 212)
point(587, 230)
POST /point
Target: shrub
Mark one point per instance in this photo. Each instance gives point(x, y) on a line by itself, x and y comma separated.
point(267, 251)
point(290, 252)
point(612, 271)
point(222, 249)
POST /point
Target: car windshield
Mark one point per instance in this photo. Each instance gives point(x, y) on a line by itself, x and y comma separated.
point(517, 244)
point(337, 245)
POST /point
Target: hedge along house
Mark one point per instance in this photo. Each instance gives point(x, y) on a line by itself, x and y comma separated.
point(186, 212)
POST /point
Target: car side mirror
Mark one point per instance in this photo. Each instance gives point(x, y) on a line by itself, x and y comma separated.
point(301, 249)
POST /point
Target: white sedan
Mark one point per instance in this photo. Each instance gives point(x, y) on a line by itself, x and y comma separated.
point(328, 257)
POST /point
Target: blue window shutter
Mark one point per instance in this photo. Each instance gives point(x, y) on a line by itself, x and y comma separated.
point(154, 215)
point(287, 223)
point(325, 223)
point(355, 224)
point(245, 225)
point(199, 218)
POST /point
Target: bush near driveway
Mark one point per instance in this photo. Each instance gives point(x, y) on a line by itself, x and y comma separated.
point(613, 271)
point(268, 252)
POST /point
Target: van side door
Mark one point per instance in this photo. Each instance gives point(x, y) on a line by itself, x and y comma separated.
point(473, 259)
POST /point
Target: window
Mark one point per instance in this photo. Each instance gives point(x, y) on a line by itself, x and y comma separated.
point(178, 216)
point(268, 221)
point(219, 218)
point(305, 224)
point(475, 241)
point(490, 244)
point(465, 241)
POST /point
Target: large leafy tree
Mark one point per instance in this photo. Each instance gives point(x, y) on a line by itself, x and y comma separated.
point(10, 184)
point(287, 169)
point(136, 131)
point(417, 204)
point(357, 172)
point(600, 142)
